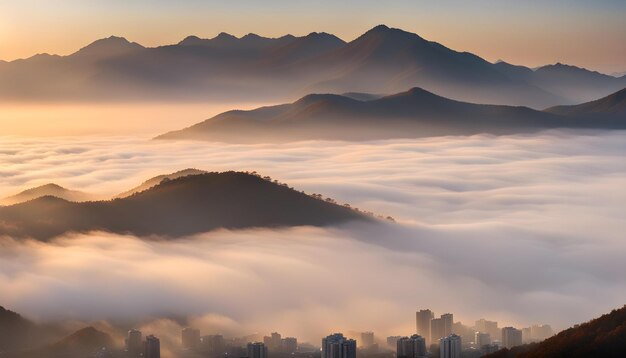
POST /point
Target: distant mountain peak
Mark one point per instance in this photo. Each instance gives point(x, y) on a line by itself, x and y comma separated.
point(225, 36)
point(109, 45)
point(380, 27)
point(252, 36)
point(191, 40)
point(46, 190)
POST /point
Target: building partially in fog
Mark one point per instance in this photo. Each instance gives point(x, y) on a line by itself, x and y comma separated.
point(134, 343)
point(511, 337)
point(448, 320)
point(481, 339)
point(436, 330)
point(411, 347)
point(289, 345)
point(273, 341)
point(392, 341)
point(441, 327)
point(190, 338)
point(422, 322)
point(152, 347)
point(338, 346)
point(491, 327)
point(367, 339)
point(213, 345)
point(536, 333)
point(450, 347)
point(257, 350)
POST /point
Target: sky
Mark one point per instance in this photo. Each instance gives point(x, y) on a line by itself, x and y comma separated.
point(590, 34)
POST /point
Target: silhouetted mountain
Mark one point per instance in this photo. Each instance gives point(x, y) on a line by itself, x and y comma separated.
point(361, 96)
point(111, 46)
point(415, 113)
point(575, 83)
point(387, 59)
point(86, 342)
point(602, 337)
point(613, 105)
point(383, 60)
point(16, 332)
point(158, 179)
point(183, 206)
point(308, 47)
point(46, 190)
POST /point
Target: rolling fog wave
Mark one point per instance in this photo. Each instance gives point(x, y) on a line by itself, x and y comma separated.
point(521, 229)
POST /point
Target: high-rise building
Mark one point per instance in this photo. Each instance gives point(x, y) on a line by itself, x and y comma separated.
point(213, 345)
point(436, 330)
point(511, 337)
point(367, 339)
point(190, 338)
point(392, 341)
point(448, 320)
point(481, 339)
point(257, 350)
point(412, 347)
point(337, 346)
point(134, 343)
point(485, 326)
point(152, 347)
point(538, 333)
point(289, 345)
point(273, 341)
point(450, 347)
point(422, 322)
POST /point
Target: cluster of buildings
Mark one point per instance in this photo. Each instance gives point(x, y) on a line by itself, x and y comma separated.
point(451, 338)
point(434, 337)
point(136, 346)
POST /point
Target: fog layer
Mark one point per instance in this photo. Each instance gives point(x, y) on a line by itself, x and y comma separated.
point(521, 229)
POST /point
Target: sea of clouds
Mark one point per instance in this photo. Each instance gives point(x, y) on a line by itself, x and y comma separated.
point(520, 229)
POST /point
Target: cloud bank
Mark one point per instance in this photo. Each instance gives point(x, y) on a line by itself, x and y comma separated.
point(521, 229)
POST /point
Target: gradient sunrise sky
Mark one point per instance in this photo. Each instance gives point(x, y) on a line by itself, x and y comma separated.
point(591, 34)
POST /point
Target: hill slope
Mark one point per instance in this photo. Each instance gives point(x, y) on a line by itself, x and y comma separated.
point(158, 179)
point(183, 206)
point(612, 105)
point(46, 190)
point(16, 331)
point(86, 342)
point(601, 337)
point(415, 113)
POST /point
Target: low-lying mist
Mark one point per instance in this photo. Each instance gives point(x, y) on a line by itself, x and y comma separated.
point(519, 229)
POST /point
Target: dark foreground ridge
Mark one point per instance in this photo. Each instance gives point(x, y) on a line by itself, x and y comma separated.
point(410, 114)
point(183, 206)
point(601, 337)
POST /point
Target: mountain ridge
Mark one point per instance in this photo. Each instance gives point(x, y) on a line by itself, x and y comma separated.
point(383, 59)
point(49, 189)
point(182, 206)
point(413, 113)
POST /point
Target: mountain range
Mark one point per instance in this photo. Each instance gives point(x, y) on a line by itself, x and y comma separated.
point(382, 60)
point(414, 113)
point(176, 207)
point(47, 190)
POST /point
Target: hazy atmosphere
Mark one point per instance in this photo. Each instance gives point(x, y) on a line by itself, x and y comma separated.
point(295, 179)
point(480, 215)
